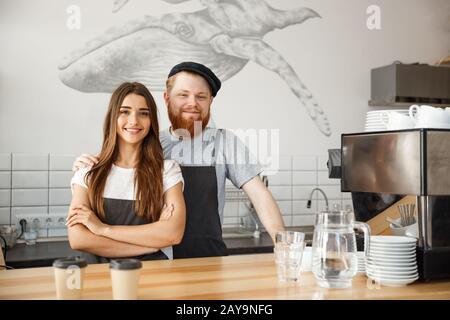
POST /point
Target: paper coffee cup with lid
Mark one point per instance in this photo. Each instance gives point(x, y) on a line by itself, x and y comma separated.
point(69, 275)
point(125, 278)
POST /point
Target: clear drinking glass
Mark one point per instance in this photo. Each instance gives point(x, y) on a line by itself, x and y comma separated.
point(335, 260)
point(289, 246)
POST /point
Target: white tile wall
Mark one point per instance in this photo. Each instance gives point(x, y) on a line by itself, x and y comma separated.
point(301, 192)
point(29, 197)
point(322, 162)
point(280, 179)
point(285, 163)
point(5, 215)
point(60, 197)
point(303, 220)
point(299, 207)
point(5, 198)
point(285, 207)
point(304, 163)
point(58, 209)
point(304, 178)
point(62, 162)
point(5, 179)
point(5, 161)
point(332, 192)
point(60, 179)
point(29, 179)
point(287, 219)
point(324, 180)
point(280, 192)
point(49, 176)
point(24, 161)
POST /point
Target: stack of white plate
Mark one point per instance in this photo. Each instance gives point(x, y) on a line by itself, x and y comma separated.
point(361, 262)
point(377, 120)
point(392, 260)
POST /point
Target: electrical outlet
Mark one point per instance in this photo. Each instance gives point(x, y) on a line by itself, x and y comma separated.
point(43, 220)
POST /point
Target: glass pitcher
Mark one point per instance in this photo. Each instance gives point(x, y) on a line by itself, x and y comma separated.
point(335, 260)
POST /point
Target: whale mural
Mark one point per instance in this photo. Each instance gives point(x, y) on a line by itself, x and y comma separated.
point(225, 36)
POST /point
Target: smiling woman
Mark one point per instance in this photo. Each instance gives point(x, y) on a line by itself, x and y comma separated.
point(130, 204)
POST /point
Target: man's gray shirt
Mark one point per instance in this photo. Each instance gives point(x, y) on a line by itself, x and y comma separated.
point(233, 159)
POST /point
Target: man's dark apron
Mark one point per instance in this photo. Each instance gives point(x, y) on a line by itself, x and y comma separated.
point(203, 232)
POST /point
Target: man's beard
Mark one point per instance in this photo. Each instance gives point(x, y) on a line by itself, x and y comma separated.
point(189, 125)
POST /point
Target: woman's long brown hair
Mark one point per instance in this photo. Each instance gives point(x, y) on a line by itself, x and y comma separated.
point(148, 180)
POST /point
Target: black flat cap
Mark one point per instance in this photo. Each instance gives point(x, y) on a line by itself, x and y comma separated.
point(200, 69)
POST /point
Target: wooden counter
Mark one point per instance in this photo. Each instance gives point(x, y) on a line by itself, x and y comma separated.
point(233, 277)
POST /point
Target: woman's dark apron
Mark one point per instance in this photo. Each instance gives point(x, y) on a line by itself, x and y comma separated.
point(120, 212)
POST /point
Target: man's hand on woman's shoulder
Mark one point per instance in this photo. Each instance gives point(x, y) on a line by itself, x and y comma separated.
point(84, 161)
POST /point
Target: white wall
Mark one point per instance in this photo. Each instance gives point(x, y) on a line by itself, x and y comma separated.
point(332, 56)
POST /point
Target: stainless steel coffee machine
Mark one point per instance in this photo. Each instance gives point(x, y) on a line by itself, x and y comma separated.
point(393, 164)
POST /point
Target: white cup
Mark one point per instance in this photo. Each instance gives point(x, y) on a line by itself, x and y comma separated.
point(396, 121)
point(69, 275)
point(429, 117)
point(125, 278)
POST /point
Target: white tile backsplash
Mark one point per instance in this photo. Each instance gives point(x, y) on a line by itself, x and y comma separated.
point(5, 179)
point(29, 179)
point(303, 220)
point(62, 161)
point(30, 161)
point(282, 178)
point(29, 197)
point(324, 180)
point(5, 198)
point(308, 178)
point(60, 197)
point(287, 219)
point(60, 179)
point(5, 215)
point(285, 206)
point(332, 192)
point(58, 209)
point(322, 163)
point(285, 163)
point(301, 192)
point(41, 184)
point(304, 163)
point(299, 207)
point(5, 161)
point(280, 192)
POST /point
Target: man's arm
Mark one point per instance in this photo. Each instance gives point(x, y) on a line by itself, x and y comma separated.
point(265, 205)
point(158, 234)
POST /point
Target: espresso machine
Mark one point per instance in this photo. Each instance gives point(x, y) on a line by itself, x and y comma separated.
point(379, 168)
